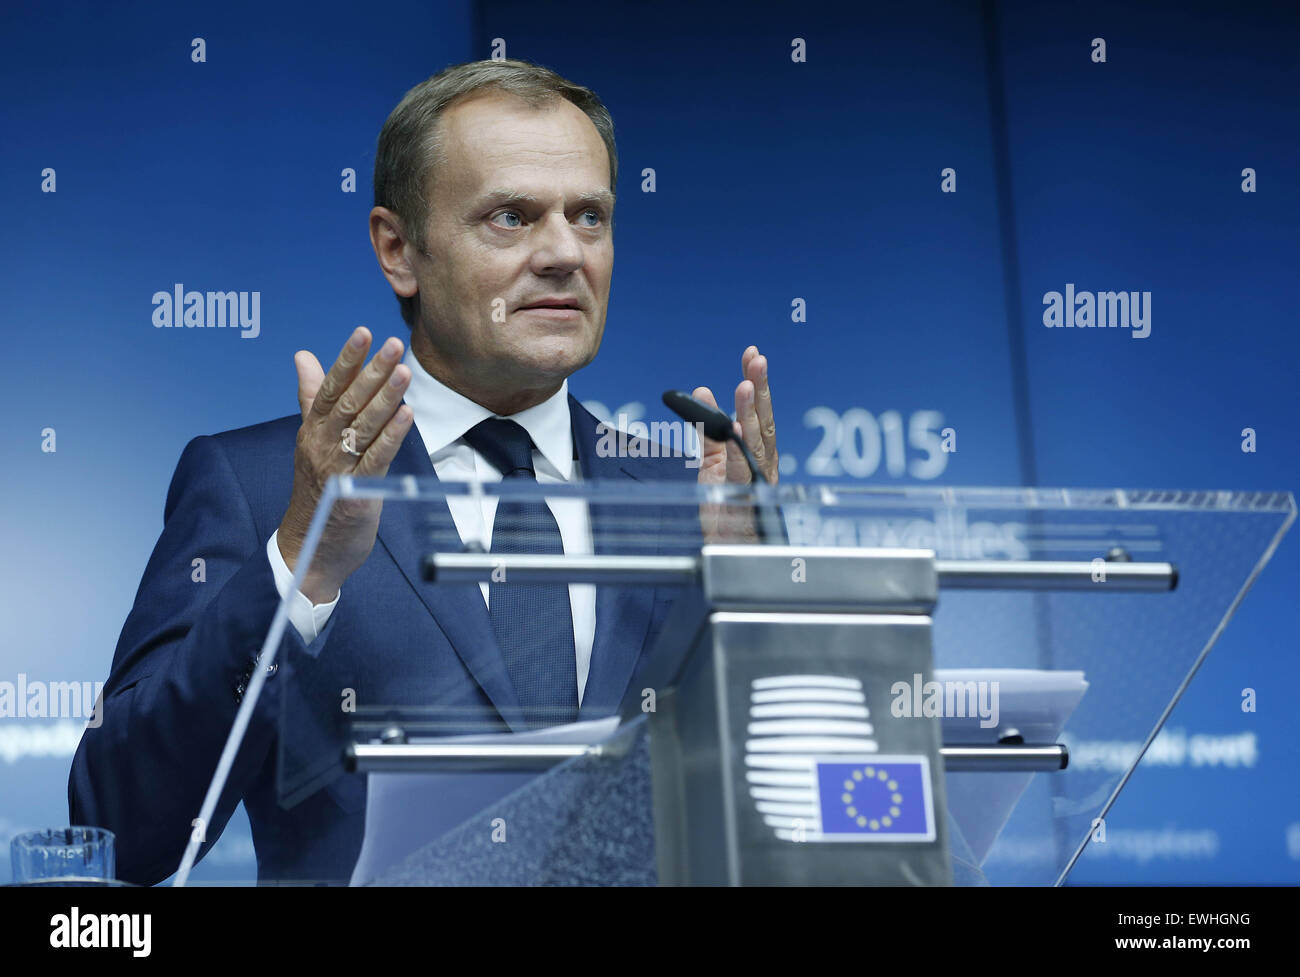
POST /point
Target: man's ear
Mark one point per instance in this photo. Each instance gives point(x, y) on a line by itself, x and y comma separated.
point(394, 251)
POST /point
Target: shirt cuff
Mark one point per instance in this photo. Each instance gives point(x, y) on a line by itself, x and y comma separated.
point(307, 618)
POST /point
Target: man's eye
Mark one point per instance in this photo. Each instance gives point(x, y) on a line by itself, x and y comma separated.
point(515, 216)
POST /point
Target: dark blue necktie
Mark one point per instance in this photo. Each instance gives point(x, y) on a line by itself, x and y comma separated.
point(533, 622)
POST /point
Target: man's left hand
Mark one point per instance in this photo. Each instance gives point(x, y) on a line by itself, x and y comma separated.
point(722, 461)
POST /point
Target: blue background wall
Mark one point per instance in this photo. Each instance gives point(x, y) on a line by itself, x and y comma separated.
point(774, 180)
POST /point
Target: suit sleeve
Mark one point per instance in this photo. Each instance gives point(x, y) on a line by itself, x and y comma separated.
point(186, 649)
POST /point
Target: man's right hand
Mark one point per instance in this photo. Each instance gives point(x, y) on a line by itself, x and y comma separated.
point(368, 402)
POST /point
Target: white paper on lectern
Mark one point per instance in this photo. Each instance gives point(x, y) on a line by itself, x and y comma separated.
point(1035, 702)
point(406, 811)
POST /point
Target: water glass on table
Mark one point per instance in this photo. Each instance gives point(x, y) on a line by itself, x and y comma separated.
point(73, 854)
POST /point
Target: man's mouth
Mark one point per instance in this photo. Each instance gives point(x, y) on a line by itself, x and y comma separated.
point(569, 304)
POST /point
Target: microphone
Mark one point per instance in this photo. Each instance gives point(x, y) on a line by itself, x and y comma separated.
point(717, 426)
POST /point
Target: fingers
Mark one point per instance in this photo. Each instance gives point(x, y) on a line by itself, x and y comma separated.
point(372, 383)
point(310, 377)
point(381, 407)
point(737, 467)
point(714, 461)
point(754, 410)
point(755, 424)
point(341, 375)
point(750, 426)
point(705, 396)
point(755, 369)
point(376, 459)
point(367, 384)
point(350, 415)
point(721, 460)
point(354, 403)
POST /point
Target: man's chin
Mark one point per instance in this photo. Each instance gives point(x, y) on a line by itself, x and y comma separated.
point(556, 360)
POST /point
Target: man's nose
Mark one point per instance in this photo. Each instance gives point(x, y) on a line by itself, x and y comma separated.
point(558, 246)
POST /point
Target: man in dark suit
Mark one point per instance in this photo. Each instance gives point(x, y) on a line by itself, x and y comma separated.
point(493, 224)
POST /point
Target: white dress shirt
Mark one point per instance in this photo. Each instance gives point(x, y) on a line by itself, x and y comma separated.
point(442, 416)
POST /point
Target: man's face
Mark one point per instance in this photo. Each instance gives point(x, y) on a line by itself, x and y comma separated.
point(520, 214)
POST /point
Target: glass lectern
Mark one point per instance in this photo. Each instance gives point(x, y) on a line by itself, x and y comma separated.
point(800, 684)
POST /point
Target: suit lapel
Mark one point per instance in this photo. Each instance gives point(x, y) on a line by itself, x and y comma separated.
point(407, 530)
point(622, 611)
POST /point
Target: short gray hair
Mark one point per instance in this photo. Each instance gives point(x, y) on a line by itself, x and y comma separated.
point(409, 150)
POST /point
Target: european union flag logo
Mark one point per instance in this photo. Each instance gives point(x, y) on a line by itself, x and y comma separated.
point(880, 798)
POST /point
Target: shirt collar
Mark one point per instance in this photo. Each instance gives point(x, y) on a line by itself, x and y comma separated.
point(442, 416)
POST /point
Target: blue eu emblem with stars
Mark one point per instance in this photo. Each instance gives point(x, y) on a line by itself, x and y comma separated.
point(881, 798)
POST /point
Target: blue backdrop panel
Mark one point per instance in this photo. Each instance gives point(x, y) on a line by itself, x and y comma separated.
point(1127, 175)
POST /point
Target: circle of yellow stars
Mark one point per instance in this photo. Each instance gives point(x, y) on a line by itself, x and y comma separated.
point(872, 774)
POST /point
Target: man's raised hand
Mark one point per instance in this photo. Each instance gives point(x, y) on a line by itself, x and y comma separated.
point(722, 461)
point(353, 422)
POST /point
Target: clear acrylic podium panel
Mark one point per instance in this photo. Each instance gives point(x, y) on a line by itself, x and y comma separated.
point(1136, 649)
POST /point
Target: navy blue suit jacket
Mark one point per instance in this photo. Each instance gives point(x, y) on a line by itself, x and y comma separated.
point(171, 696)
